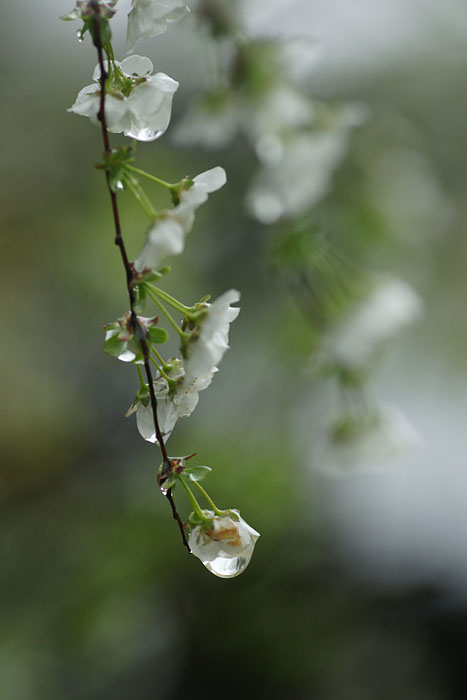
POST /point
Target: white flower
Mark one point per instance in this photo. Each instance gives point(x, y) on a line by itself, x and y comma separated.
point(271, 105)
point(190, 199)
point(171, 406)
point(167, 235)
point(372, 446)
point(149, 18)
point(282, 109)
point(297, 170)
point(227, 546)
point(208, 346)
point(136, 103)
point(204, 351)
point(391, 306)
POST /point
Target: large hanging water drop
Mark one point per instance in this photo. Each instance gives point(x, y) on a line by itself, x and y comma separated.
point(225, 567)
point(224, 544)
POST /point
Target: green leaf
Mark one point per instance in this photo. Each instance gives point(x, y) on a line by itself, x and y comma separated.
point(113, 346)
point(158, 335)
point(170, 481)
point(197, 473)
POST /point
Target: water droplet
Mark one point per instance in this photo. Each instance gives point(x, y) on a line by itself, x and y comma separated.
point(144, 134)
point(80, 36)
point(227, 567)
point(127, 355)
point(120, 185)
point(226, 548)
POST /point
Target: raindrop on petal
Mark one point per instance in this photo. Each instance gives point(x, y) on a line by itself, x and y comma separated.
point(227, 567)
point(144, 134)
point(127, 355)
point(226, 547)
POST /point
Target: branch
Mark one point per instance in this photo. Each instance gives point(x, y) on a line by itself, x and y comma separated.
point(139, 331)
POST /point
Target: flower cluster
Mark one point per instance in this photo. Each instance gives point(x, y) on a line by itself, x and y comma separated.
point(177, 393)
point(298, 142)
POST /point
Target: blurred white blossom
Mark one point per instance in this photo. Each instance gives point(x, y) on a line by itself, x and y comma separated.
point(272, 104)
point(354, 342)
point(137, 103)
point(149, 18)
point(297, 169)
point(371, 443)
point(226, 547)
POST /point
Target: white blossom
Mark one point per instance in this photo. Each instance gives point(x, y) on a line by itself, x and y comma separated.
point(391, 306)
point(194, 374)
point(374, 446)
point(149, 18)
point(215, 119)
point(192, 198)
point(208, 346)
point(171, 406)
point(274, 107)
point(140, 107)
point(297, 170)
point(227, 546)
point(167, 235)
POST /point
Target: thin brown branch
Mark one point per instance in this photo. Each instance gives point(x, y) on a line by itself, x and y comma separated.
point(138, 329)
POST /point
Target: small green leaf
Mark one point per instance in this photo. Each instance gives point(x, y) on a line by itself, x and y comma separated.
point(197, 473)
point(158, 335)
point(113, 346)
point(169, 482)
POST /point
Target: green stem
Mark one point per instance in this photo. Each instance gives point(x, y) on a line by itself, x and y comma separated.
point(193, 501)
point(164, 364)
point(209, 500)
point(141, 198)
point(161, 371)
point(165, 184)
point(185, 310)
point(168, 316)
point(141, 380)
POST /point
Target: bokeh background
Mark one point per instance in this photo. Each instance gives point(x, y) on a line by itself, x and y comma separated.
point(357, 589)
